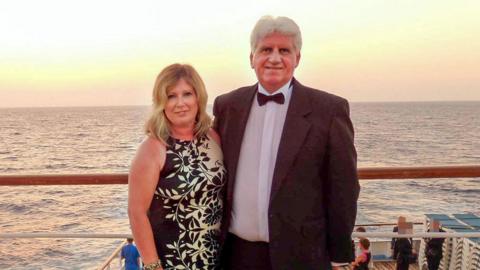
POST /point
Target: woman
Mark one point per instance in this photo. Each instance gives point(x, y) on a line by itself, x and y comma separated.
point(176, 178)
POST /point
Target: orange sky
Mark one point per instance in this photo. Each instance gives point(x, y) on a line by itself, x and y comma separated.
point(94, 53)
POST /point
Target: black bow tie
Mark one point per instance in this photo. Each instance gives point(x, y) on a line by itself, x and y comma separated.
point(262, 99)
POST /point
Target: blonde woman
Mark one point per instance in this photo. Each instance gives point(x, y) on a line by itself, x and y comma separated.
point(176, 178)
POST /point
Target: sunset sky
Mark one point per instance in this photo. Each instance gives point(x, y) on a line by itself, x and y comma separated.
point(95, 53)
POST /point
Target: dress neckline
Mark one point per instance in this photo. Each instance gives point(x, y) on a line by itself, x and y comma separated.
point(183, 141)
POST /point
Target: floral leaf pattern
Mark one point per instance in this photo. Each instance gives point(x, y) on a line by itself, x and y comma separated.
point(188, 205)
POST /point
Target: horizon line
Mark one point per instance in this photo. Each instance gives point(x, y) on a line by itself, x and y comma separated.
point(211, 104)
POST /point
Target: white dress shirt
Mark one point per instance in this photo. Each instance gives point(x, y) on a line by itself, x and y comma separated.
point(256, 164)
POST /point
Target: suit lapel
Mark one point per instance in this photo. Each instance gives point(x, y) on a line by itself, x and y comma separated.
point(235, 130)
point(295, 129)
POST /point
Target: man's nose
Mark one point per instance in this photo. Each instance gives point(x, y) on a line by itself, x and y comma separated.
point(274, 57)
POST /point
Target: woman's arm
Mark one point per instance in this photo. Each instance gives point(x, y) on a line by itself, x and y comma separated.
point(142, 181)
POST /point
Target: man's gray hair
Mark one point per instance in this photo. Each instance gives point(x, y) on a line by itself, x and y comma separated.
point(282, 25)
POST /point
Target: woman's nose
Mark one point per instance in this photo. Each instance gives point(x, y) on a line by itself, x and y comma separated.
point(180, 101)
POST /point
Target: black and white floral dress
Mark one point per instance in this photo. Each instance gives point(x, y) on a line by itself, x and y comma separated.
point(186, 210)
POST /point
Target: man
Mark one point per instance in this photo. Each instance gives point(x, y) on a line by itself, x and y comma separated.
point(292, 188)
point(400, 221)
point(434, 247)
point(402, 247)
point(131, 256)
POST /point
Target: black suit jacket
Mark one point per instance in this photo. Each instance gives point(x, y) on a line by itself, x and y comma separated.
point(315, 187)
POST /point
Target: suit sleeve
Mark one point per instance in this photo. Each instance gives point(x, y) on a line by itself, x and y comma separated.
point(217, 116)
point(343, 187)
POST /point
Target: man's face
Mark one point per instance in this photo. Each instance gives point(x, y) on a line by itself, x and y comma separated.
point(274, 60)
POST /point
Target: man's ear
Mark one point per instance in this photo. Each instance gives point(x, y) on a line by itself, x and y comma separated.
point(298, 58)
point(251, 59)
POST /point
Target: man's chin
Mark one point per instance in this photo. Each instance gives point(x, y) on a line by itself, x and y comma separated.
point(272, 84)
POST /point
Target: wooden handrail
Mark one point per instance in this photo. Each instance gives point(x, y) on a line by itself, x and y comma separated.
point(108, 261)
point(63, 179)
point(419, 172)
point(460, 171)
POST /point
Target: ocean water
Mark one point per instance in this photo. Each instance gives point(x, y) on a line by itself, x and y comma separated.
point(104, 140)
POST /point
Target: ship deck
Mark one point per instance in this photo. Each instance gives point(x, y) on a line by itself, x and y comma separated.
point(391, 266)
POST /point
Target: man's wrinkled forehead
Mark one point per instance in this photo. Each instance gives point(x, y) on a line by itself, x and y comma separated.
point(281, 40)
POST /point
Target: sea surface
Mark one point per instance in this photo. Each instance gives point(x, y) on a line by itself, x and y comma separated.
point(104, 140)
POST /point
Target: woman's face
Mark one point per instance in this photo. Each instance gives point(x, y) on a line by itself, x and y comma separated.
point(182, 105)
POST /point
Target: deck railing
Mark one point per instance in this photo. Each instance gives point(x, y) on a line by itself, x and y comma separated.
point(373, 173)
point(390, 173)
point(107, 264)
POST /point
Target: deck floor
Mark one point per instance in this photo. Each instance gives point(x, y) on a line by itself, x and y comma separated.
point(388, 266)
point(392, 265)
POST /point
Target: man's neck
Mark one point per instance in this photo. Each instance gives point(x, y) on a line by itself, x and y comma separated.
point(274, 90)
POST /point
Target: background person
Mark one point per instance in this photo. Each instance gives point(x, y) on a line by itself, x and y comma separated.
point(358, 229)
point(434, 247)
point(402, 247)
point(131, 256)
point(363, 259)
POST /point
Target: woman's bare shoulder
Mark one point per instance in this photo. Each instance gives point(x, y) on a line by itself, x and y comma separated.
point(151, 149)
point(214, 135)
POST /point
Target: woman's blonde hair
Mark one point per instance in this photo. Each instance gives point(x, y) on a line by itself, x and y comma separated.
point(157, 124)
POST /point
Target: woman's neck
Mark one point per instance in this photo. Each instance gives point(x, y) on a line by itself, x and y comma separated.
point(182, 133)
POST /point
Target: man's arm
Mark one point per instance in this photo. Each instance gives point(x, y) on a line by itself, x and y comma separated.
point(216, 114)
point(343, 187)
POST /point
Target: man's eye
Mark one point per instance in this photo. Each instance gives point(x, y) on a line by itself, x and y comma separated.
point(285, 51)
